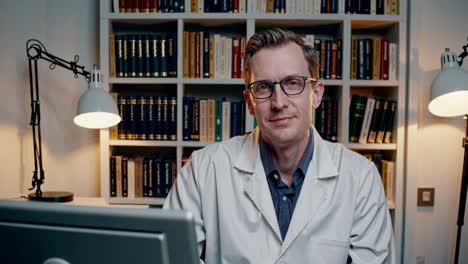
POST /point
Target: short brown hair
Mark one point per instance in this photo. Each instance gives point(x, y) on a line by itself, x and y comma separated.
point(274, 38)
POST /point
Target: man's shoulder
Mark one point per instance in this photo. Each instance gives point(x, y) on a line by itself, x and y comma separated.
point(229, 147)
point(345, 156)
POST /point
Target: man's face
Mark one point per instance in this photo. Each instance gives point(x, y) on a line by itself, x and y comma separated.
point(283, 119)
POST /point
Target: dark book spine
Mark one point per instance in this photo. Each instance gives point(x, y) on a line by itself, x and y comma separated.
point(165, 119)
point(125, 56)
point(195, 128)
point(159, 6)
point(206, 55)
point(144, 6)
point(113, 177)
point(382, 121)
point(122, 126)
point(207, 6)
point(361, 59)
point(329, 120)
point(145, 177)
point(328, 60)
point(334, 7)
point(323, 57)
point(357, 110)
point(140, 56)
point(151, 177)
point(323, 6)
point(122, 6)
point(349, 6)
point(170, 6)
point(187, 118)
point(376, 116)
point(377, 160)
point(390, 123)
point(181, 6)
point(235, 119)
point(150, 104)
point(318, 118)
point(172, 55)
point(143, 118)
point(147, 55)
point(132, 118)
point(334, 119)
point(133, 55)
point(379, 10)
point(118, 56)
point(368, 58)
point(167, 163)
point(172, 107)
point(124, 177)
point(164, 53)
point(218, 118)
point(155, 56)
point(152, 6)
point(157, 178)
point(159, 118)
point(384, 66)
point(137, 116)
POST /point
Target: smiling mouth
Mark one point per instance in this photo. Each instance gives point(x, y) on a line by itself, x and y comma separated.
point(280, 120)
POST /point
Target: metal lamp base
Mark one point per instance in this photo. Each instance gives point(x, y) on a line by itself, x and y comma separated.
point(55, 197)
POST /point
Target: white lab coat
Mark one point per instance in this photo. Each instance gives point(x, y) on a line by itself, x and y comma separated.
point(341, 209)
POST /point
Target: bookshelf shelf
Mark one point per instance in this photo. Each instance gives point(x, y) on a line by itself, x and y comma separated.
point(330, 27)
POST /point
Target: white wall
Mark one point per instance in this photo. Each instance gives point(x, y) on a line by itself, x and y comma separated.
point(70, 153)
point(434, 154)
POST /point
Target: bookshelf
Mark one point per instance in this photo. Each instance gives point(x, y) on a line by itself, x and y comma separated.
point(340, 26)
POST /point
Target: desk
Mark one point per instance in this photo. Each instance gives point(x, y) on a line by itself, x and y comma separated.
point(90, 201)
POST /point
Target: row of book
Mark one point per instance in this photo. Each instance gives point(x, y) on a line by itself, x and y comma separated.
point(209, 55)
point(297, 6)
point(326, 118)
point(373, 58)
point(371, 7)
point(386, 170)
point(143, 55)
point(371, 120)
point(148, 6)
point(214, 119)
point(330, 53)
point(218, 6)
point(140, 176)
point(146, 117)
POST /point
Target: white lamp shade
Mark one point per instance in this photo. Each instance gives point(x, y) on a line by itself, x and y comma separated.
point(449, 90)
point(96, 108)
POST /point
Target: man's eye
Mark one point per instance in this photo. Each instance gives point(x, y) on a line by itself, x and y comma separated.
point(263, 86)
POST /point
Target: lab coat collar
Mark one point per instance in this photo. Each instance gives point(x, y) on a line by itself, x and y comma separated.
point(312, 196)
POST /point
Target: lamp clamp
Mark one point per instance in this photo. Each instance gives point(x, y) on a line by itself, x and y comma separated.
point(463, 54)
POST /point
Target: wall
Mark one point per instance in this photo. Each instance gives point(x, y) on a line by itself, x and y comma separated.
point(70, 153)
point(434, 153)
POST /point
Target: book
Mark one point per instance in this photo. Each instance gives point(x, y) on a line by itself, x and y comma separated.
point(384, 61)
point(218, 118)
point(226, 120)
point(367, 120)
point(187, 117)
point(393, 61)
point(113, 177)
point(356, 116)
point(390, 123)
point(376, 119)
point(386, 112)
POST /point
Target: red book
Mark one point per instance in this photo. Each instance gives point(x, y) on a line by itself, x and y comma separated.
point(152, 6)
point(235, 6)
point(236, 58)
point(384, 61)
point(144, 6)
point(334, 59)
point(122, 6)
point(134, 6)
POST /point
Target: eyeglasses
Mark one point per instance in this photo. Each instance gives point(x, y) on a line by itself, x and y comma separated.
point(291, 85)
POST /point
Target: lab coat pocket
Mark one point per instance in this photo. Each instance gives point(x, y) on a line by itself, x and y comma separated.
point(332, 251)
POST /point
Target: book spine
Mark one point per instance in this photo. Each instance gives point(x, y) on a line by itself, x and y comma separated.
point(235, 66)
point(151, 177)
point(367, 120)
point(375, 121)
point(195, 128)
point(334, 119)
point(140, 57)
point(203, 121)
point(146, 55)
point(361, 59)
point(226, 120)
point(133, 55)
point(155, 55)
point(210, 107)
point(218, 118)
point(187, 115)
point(159, 118)
point(376, 58)
point(125, 55)
point(206, 55)
point(132, 118)
point(165, 118)
point(384, 60)
point(122, 126)
point(151, 117)
point(118, 177)
point(164, 54)
point(390, 123)
point(357, 110)
point(368, 58)
point(113, 177)
point(172, 55)
point(339, 58)
point(172, 118)
point(334, 59)
point(186, 50)
point(146, 177)
point(393, 61)
point(158, 178)
point(142, 118)
point(124, 177)
point(354, 55)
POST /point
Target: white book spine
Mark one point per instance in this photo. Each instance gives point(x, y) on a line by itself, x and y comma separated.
point(217, 54)
point(367, 120)
point(131, 178)
point(300, 6)
point(116, 6)
point(226, 120)
point(228, 58)
point(393, 63)
point(373, 7)
point(200, 6)
point(242, 6)
point(317, 6)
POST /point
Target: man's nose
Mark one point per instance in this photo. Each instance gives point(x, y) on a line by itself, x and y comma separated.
point(279, 99)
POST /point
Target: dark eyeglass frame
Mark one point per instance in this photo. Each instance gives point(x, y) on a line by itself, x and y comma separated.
point(280, 82)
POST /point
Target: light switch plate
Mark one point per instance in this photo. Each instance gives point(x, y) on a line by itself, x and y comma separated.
point(426, 196)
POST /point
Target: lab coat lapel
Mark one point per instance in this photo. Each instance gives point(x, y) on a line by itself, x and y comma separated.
point(313, 193)
point(255, 184)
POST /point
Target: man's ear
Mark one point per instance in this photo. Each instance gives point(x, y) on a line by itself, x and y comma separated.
point(317, 94)
point(249, 102)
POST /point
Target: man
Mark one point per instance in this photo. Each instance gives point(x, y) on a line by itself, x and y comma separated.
point(282, 194)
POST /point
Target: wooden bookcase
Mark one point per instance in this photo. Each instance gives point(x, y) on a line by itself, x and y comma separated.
point(392, 27)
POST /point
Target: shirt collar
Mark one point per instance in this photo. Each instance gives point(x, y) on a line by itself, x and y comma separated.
point(269, 163)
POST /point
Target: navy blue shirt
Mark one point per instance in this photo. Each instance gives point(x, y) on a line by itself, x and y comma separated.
point(285, 197)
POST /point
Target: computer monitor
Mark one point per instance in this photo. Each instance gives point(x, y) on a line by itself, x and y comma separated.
point(37, 232)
